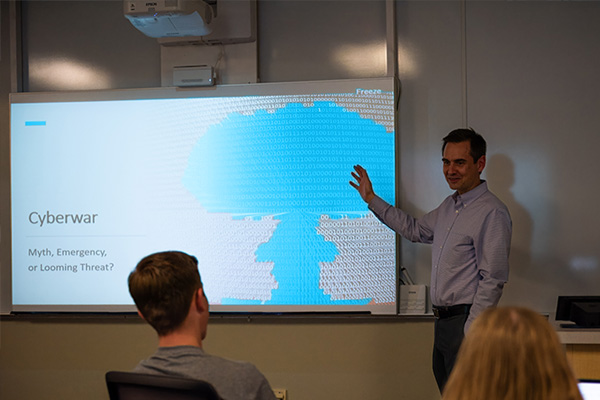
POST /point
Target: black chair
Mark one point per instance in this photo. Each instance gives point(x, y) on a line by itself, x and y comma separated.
point(135, 386)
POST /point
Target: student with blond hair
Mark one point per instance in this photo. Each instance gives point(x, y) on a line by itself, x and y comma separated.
point(511, 353)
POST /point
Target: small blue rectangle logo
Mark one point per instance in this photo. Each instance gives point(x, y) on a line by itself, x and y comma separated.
point(35, 123)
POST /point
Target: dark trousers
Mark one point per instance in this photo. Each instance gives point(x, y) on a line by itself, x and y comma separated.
point(448, 335)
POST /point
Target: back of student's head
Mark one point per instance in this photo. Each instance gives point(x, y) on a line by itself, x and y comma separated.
point(511, 353)
point(162, 286)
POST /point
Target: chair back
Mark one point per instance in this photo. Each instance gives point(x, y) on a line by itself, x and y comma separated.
point(137, 386)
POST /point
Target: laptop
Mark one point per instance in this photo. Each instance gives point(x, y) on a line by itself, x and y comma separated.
point(589, 388)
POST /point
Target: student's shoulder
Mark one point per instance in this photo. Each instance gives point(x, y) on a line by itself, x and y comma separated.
point(231, 364)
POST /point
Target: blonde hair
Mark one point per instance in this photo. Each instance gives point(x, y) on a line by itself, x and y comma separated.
point(511, 353)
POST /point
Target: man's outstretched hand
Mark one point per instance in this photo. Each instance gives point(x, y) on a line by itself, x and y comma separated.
point(362, 184)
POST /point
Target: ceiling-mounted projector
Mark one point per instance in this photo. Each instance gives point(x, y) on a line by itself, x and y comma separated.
point(169, 18)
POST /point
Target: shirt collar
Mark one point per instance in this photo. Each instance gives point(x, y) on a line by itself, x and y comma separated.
point(180, 349)
point(471, 195)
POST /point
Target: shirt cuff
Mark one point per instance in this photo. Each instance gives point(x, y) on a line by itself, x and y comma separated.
point(378, 205)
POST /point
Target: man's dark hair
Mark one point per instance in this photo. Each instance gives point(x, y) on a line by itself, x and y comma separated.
point(162, 286)
point(477, 142)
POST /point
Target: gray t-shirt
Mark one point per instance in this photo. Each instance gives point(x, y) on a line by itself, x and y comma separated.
point(233, 380)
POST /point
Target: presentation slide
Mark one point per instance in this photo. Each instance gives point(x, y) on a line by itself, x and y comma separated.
point(250, 179)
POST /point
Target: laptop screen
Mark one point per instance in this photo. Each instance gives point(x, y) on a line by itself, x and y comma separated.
point(590, 389)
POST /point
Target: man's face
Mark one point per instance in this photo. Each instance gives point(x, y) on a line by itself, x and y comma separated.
point(461, 172)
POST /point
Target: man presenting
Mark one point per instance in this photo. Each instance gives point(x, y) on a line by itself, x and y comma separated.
point(168, 293)
point(470, 233)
